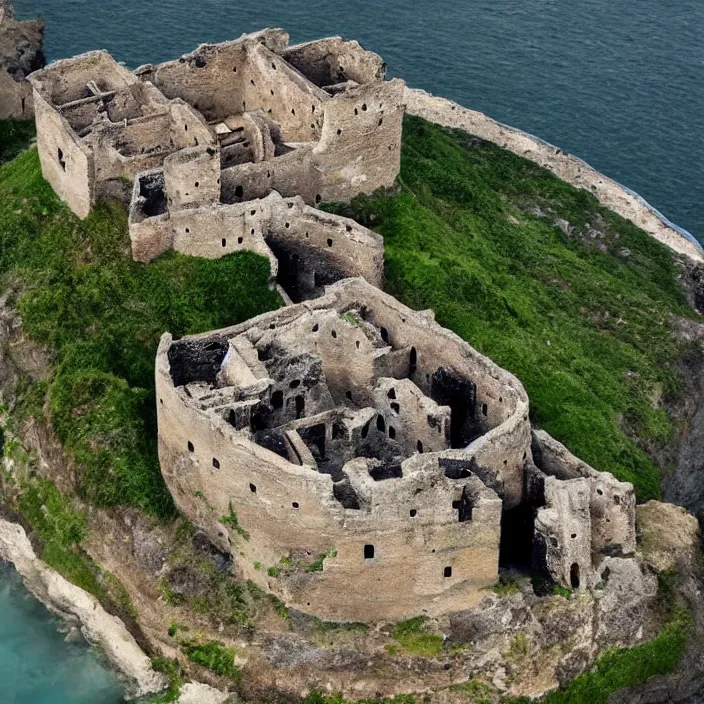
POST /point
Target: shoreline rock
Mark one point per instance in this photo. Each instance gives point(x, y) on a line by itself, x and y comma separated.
point(75, 605)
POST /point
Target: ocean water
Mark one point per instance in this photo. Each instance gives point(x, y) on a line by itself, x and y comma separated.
point(616, 82)
point(37, 666)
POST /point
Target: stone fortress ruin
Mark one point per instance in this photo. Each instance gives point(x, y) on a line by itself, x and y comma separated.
point(358, 460)
point(373, 459)
point(229, 148)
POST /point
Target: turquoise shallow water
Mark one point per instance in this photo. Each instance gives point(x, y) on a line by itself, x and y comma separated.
point(616, 82)
point(37, 666)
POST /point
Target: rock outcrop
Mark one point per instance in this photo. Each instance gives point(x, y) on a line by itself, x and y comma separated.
point(76, 605)
point(21, 53)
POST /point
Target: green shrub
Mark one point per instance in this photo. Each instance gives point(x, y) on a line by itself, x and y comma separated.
point(172, 671)
point(214, 656)
point(413, 635)
point(232, 521)
point(317, 564)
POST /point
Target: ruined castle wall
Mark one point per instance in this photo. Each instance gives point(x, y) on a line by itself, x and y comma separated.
point(67, 164)
point(612, 503)
point(211, 79)
point(294, 229)
point(563, 533)
point(330, 61)
point(410, 552)
point(124, 150)
point(323, 248)
point(417, 420)
point(187, 128)
point(149, 222)
point(567, 167)
point(360, 145)
point(213, 232)
point(412, 521)
point(67, 80)
point(292, 174)
point(151, 238)
point(192, 177)
point(283, 94)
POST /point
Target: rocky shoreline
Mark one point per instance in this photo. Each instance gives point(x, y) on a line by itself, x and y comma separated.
point(79, 608)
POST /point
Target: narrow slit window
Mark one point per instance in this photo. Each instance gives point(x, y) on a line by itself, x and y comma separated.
point(368, 552)
point(447, 572)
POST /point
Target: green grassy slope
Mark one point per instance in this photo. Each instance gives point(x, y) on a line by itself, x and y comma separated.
point(582, 319)
point(101, 316)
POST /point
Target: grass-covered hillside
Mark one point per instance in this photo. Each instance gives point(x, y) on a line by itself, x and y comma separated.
point(101, 316)
point(574, 300)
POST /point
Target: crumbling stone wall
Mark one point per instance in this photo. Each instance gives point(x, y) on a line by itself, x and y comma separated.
point(97, 124)
point(332, 62)
point(308, 248)
point(425, 527)
point(586, 514)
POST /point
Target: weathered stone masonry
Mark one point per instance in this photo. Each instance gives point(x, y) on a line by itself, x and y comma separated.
point(214, 139)
point(354, 431)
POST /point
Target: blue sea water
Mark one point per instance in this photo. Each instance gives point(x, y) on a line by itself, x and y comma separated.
point(616, 82)
point(37, 666)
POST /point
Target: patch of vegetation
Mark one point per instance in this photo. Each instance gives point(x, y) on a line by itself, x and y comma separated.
point(626, 667)
point(414, 636)
point(213, 656)
point(15, 135)
point(174, 628)
point(475, 691)
point(172, 671)
point(565, 592)
point(101, 316)
point(517, 648)
point(583, 319)
point(274, 571)
point(279, 606)
point(232, 521)
point(506, 585)
point(317, 564)
point(61, 529)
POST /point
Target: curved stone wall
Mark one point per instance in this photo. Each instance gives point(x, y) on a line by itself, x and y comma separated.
point(423, 542)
